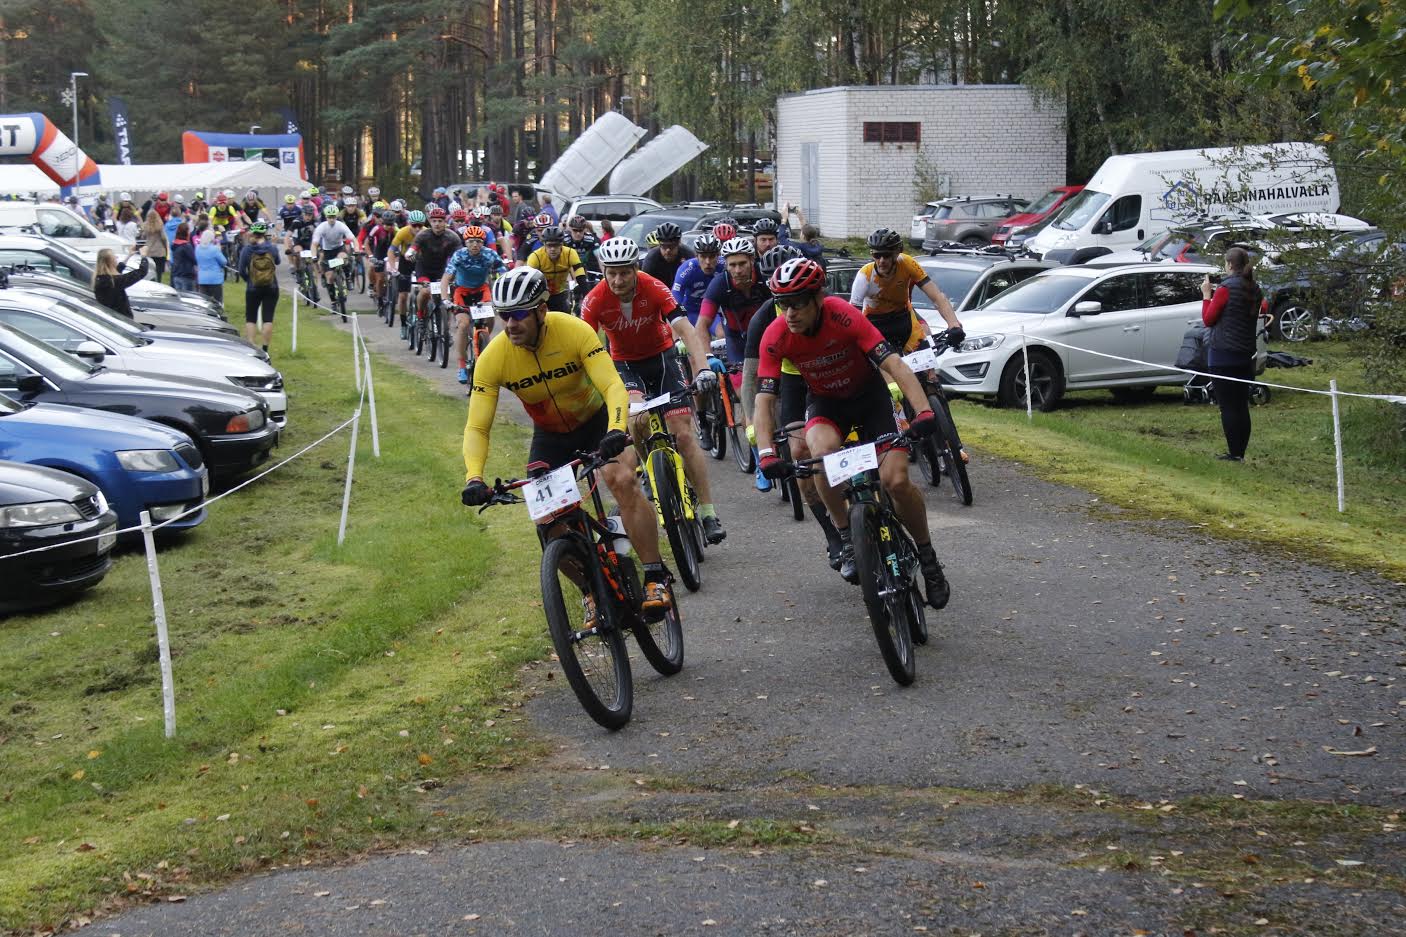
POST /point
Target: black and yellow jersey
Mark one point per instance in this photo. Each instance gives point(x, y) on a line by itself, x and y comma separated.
point(562, 383)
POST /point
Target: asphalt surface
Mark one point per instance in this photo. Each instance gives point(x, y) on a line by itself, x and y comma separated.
point(1107, 658)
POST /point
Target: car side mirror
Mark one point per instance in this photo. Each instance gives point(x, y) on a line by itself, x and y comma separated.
point(30, 384)
point(90, 351)
point(1104, 227)
point(1088, 307)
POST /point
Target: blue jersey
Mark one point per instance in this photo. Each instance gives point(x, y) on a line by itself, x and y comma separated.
point(690, 283)
point(472, 272)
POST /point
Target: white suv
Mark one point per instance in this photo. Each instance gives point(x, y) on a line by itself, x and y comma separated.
point(618, 209)
point(1131, 311)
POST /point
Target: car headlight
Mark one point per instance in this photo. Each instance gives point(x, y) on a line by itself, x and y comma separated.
point(271, 382)
point(148, 460)
point(246, 422)
point(39, 514)
point(979, 342)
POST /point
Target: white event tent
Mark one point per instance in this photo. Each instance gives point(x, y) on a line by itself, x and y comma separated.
point(143, 181)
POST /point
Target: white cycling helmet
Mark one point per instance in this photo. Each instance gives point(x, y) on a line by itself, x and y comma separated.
point(125, 197)
point(373, 192)
point(739, 245)
point(351, 201)
point(229, 193)
point(519, 288)
point(347, 190)
point(397, 205)
point(618, 252)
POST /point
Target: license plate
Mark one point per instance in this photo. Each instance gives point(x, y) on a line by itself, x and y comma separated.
point(841, 466)
point(107, 539)
point(552, 492)
point(335, 262)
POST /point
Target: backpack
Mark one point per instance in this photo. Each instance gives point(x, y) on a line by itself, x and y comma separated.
point(262, 269)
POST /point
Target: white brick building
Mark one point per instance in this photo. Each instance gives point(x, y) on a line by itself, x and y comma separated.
point(848, 156)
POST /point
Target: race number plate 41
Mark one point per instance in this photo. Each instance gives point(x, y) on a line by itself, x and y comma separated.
point(841, 466)
point(640, 406)
point(552, 492)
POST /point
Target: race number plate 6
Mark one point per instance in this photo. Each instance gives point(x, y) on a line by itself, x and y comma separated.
point(841, 466)
point(640, 406)
point(552, 492)
point(435, 288)
point(924, 359)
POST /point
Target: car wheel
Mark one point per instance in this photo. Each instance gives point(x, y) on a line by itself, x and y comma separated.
point(1293, 322)
point(1046, 381)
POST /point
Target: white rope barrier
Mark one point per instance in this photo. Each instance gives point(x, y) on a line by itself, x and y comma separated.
point(351, 467)
point(371, 399)
point(1025, 352)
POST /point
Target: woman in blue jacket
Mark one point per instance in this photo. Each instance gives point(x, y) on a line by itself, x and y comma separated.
point(210, 268)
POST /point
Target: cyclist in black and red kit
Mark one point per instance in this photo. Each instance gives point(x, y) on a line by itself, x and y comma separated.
point(430, 252)
point(846, 365)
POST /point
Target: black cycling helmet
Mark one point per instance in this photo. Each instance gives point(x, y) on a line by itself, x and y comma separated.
point(772, 260)
point(551, 235)
point(764, 226)
point(885, 239)
point(668, 233)
point(706, 244)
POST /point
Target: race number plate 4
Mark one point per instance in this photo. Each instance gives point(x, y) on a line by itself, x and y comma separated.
point(552, 492)
point(306, 255)
point(841, 466)
point(924, 359)
point(435, 287)
point(640, 406)
point(335, 262)
point(482, 312)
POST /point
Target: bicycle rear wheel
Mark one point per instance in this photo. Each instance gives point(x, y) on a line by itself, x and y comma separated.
point(666, 491)
point(592, 655)
point(885, 595)
point(712, 424)
point(660, 641)
point(446, 323)
point(433, 326)
point(360, 277)
point(417, 332)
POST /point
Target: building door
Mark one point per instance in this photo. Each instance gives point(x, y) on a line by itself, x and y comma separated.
point(810, 182)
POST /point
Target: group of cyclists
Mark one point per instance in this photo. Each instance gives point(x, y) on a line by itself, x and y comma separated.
point(815, 366)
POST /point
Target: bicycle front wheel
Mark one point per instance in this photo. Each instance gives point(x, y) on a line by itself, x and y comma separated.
point(589, 648)
point(360, 277)
point(666, 491)
point(661, 641)
point(949, 453)
point(793, 494)
point(885, 594)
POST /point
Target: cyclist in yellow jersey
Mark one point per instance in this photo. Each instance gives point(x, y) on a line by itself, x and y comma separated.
point(222, 213)
point(883, 287)
point(560, 265)
point(571, 389)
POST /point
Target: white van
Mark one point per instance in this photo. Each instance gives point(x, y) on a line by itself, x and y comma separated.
point(62, 224)
point(1134, 197)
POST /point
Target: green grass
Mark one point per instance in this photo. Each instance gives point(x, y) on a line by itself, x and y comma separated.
point(318, 689)
point(1156, 457)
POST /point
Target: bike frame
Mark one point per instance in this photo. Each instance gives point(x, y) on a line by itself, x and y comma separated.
point(660, 438)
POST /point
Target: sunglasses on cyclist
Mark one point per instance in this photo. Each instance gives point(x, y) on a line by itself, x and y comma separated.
point(882, 255)
point(792, 302)
point(515, 315)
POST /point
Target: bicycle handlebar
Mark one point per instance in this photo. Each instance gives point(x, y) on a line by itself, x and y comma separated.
point(806, 467)
point(503, 488)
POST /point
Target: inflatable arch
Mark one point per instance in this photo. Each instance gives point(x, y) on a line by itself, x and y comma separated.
point(280, 150)
point(35, 136)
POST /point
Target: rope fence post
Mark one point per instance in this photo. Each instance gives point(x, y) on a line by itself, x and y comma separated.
point(356, 351)
point(351, 467)
point(371, 396)
point(295, 317)
point(1025, 353)
point(1338, 444)
point(163, 638)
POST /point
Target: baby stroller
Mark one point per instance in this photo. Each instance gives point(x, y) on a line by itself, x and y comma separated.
point(1199, 388)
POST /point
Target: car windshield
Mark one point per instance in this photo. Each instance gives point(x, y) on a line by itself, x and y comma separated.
point(74, 311)
point(1080, 210)
point(1045, 203)
point(44, 356)
point(1038, 295)
point(955, 283)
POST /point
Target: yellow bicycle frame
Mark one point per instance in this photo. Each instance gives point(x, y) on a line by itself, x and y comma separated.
point(657, 431)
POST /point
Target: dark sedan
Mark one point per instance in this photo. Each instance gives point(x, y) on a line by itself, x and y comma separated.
point(41, 507)
point(229, 424)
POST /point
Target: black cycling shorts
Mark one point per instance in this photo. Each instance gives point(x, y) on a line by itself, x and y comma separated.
point(557, 449)
point(895, 327)
point(870, 411)
point(654, 376)
point(559, 302)
point(330, 252)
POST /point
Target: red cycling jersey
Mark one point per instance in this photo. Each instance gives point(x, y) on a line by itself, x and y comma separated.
point(644, 331)
point(838, 360)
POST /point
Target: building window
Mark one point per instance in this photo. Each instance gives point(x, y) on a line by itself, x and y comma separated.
point(891, 132)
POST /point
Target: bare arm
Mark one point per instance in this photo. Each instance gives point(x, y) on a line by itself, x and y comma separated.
point(943, 304)
point(899, 373)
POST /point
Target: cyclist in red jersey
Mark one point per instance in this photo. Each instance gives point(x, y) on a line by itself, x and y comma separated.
point(846, 365)
point(641, 319)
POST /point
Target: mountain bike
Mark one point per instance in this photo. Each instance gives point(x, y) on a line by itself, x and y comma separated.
point(884, 553)
point(307, 275)
point(940, 457)
point(481, 318)
point(669, 488)
point(358, 272)
point(337, 287)
point(591, 591)
point(436, 326)
point(789, 485)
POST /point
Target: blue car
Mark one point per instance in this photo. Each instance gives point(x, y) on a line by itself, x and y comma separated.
point(139, 465)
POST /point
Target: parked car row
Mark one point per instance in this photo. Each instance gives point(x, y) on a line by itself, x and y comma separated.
point(102, 418)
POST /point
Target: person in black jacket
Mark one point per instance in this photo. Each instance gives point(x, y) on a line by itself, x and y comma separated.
point(110, 285)
point(1231, 315)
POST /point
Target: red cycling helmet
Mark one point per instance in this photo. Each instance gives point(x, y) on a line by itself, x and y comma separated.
point(161, 196)
point(801, 275)
point(459, 216)
point(724, 232)
point(437, 213)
